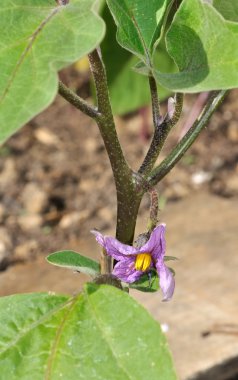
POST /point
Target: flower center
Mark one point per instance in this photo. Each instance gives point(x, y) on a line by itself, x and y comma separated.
point(143, 261)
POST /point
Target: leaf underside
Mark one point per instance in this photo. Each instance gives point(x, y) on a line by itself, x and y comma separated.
point(139, 25)
point(128, 90)
point(205, 48)
point(228, 9)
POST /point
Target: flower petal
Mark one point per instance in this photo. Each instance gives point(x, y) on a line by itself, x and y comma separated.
point(156, 243)
point(166, 281)
point(99, 237)
point(126, 272)
point(114, 247)
point(119, 250)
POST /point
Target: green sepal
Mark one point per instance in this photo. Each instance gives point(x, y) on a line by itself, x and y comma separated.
point(148, 283)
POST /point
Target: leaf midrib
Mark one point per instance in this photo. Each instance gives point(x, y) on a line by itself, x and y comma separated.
point(35, 324)
point(55, 344)
point(27, 49)
point(106, 338)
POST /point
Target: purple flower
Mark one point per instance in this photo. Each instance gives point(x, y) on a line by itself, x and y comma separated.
point(134, 262)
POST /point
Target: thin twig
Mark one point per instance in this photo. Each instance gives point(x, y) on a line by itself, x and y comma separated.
point(154, 101)
point(160, 134)
point(177, 153)
point(178, 107)
point(76, 101)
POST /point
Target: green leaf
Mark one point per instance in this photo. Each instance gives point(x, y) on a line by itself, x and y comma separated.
point(205, 48)
point(38, 38)
point(128, 90)
point(75, 261)
point(228, 9)
point(139, 25)
point(100, 334)
point(147, 283)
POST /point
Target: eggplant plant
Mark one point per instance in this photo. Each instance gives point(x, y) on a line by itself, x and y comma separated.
point(102, 332)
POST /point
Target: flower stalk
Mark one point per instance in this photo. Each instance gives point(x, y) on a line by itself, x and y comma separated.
point(154, 208)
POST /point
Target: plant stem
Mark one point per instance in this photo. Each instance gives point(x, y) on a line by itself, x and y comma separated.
point(160, 134)
point(154, 101)
point(106, 262)
point(76, 101)
point(177, 153)
point(154, 208)
point(128, 200)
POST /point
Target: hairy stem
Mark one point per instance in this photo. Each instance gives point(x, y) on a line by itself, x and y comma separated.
point(77, 102)
point(127, 198)
point(154, 208)
point(154, 101)
point(177, 153)
point(160, 134)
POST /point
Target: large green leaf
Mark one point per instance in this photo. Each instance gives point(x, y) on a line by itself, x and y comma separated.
point(139, 24)
point(38, 38)
point(228, 8)
point(100, 334)
point(128, 90)
point(205, 48)
point(74, 261)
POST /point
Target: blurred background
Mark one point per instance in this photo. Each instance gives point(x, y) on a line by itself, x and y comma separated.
point(56, 184)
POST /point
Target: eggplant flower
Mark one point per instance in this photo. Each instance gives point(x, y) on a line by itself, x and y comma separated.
point(134, 262)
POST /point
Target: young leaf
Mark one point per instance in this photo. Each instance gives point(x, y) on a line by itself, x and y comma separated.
point(101, 334)
point(139, 24)
point(75, 261)
point(128, 90)
point(228, 9)
point(38, 38)
point(148, 283)
point(205, 48)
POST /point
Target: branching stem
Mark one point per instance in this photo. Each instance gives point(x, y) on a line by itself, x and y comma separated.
point(77, 102)
point(177, 153)
point(131, 186)
point(154, 101)
point(161, 132)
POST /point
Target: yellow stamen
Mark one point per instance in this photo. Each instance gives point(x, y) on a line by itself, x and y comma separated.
point(143, 261)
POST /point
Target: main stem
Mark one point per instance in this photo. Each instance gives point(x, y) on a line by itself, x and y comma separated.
point(128, 199)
